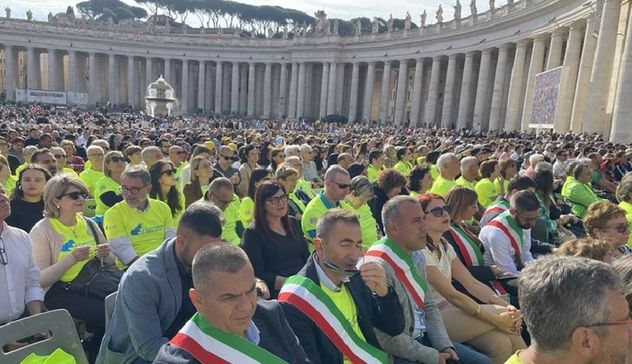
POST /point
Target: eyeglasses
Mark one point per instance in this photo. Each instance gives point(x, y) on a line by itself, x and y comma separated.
point(225, 157)
point(4, 258)
point(439, 211)
point(181, 152)
point(133, 189)
point(343, 186)
point(621, 228)
point(59, 156)
point(75, 195)
point(613, 323)
point(280, 156)
point(117, 159)
point(275, 200)
point(526, 218)
point(169, 172)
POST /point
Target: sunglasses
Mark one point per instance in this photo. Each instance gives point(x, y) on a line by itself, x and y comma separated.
point(117, 159)
point(225, 157)
point(343, 186)
point(75, 195)
point(275, 200)
point(133, 189)
point(169, 172)
point(439, 211)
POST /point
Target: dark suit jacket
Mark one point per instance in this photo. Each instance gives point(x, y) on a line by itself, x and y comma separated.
point(384, 313)
point(276, 336)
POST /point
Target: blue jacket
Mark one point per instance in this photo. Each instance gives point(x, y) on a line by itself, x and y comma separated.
point(148, 301)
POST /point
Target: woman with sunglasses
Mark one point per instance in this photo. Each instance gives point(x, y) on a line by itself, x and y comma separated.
point(63, 242)
point(274, 242)
point(288, 177)
point(163, 188)
point(606, 221)
point(199, 150)
point(247, 206)
point(277, 157)
point(107, 190)
point(27, 205)
point(493, 327)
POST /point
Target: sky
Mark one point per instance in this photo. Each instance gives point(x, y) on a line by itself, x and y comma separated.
point(343, 9)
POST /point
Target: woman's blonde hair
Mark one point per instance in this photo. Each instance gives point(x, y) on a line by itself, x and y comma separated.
point(585, 248)
point(599, 214)
point(460, 198)
point(56, 187)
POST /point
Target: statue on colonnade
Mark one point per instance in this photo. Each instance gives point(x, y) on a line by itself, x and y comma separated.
point(358, 28)
point(29, 15)
point(407, 21)
point(440, 14)
point(7, 11)
point(457, 10)
point(389, 24)
point(473, 10)
point(375, 27)
point(423, 17)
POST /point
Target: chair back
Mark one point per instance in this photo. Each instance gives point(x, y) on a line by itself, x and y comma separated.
point(110, 301)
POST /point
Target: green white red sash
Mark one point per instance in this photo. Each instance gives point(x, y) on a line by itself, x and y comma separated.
point(304, 294)
point(506, 223)
point(497, 207)
point(210, 345)
point(469, 249)
point(402, 265)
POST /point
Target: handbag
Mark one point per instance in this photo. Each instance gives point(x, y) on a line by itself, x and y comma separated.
point(97, 278)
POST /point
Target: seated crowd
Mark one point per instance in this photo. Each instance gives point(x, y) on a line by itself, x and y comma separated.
point(305, 243)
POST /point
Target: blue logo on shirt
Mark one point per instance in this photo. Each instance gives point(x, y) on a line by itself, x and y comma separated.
point(68, 245)
point(137, 230)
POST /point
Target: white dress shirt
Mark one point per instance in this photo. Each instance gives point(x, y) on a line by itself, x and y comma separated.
point(498, 249)
point(20, 278)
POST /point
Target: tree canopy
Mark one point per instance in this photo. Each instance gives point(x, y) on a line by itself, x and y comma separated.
point(103, 9)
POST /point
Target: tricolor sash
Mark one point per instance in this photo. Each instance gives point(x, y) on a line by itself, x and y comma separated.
point(506, 223)
point(210, 345)
point(469, 249)
point(402, 265)
point(497, 207)
point(304, 294)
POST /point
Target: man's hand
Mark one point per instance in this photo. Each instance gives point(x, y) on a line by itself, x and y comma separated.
point(447, 354)
point(375, 278)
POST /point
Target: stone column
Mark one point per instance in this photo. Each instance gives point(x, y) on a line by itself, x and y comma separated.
point(293, 91)
point(353, 98)
point(596, 118)
point(10, 73)
point(536, 66)
point(621, 131)
point(32, 69)
point(114, 76)
point(167, 74)
point(234, 89)
point(448, 95)
point(481, 91)
point(400, 97)
point(583, 77)
point(515, 87)
point(251, 89)
point(149, 71)
point(331, 85)
point(53, 69)
point(300, 98)
point(267, 90)
point(283, 89)
point(201, 96)
point(73, 73)
point(499, 84)
point(185, 86)
point(555, 50)
point(219, 79)
point(384, 96)
point(571, 68)
point(131, 82)
point(431, 102)
point(416, 97)
point(368, 92)
point(93, 81)
point(466, 91)
point(323, 90)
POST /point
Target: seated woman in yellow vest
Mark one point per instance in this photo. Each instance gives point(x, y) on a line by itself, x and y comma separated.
point(163, 188)
point(419, 181)
point(287, 177)
point(486, 190)
point(107, 190)
point(247, 206)
point(404, 164)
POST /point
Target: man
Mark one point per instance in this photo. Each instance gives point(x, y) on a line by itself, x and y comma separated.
point(224, 167)
point(449, 168)
point(153, 300)
point(469, 172)
point(60, 161)
point(424, 339)
point(598, 178)
point(19, 276)
point(404, 161)
point(337, 183)
point(177, 157)
point(575, 311)
point(252, 153)
point(225, 297)
point(344, 160)
point(330, 287)
point(376, 165)
point(507, 238)
point(45, 141)
point(91, 174)
point(45, 158)
point(137, 225)
point(222, 194)
point(163, 144)
point(310, 173)
point(151, 155)
point(502, 202)
point(303, 188)
point(559, 167)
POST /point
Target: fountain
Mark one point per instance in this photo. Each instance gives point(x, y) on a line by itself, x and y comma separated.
point(161, 98)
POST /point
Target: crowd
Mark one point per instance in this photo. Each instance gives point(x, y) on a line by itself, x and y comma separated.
point(251, 241)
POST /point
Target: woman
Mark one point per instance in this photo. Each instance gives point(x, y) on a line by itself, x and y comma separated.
point(107, 190)
point(72, 159)
point(581, 195)
point(587, 248)
point(469, 249)
point(606, 221)
point(361, 192)
point(163, 188)
point(199, 150)
point(550, 213)
point(247, 207)
point(485, 188)
point(6, 179)
point(27, 206)
point(508, 170)
point(287, 177)
point(494, 327)
point(274, 243)
point(390, 183)
point(133, 156)
point(63, 242)
point(202, 175)
point(419, 181)
point(624, 195)
point(277, 156)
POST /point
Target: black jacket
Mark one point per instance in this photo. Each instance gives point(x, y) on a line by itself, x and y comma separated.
point(383, 313)
point(275, 336)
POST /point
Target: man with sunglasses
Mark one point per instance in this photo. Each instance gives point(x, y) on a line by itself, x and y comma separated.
point(222, 194)
point(337, 183)
point(575, 311)
point(224, 165)
point(507, 238)
point(94, 170)
point(177, 156)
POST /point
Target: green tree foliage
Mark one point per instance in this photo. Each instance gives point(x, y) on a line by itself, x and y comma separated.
point(104, 9)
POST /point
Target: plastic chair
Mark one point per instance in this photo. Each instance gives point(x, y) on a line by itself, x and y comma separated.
point(110, 301)
point(57, 322)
